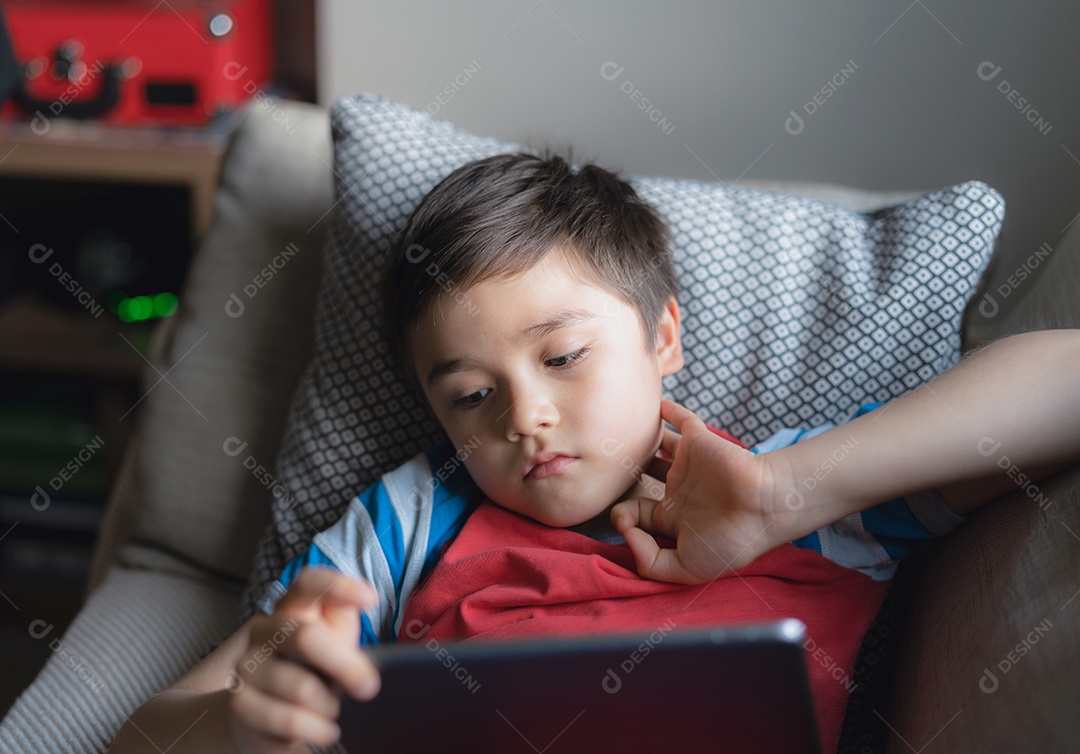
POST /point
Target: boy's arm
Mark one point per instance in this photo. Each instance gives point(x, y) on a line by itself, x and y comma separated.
point(253, 693)
point(1006, 415)
point(199, 711)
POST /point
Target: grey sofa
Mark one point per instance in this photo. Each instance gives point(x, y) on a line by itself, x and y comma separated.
point(988, 661)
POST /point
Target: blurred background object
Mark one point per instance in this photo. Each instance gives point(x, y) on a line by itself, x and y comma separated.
point(125, 62)
point(114, 119)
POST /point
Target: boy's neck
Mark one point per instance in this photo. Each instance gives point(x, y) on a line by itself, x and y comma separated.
point(644, 486)
point(600, 524)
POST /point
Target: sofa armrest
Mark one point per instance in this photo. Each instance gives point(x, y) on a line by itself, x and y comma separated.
point(1047, 302)
point(989, 657)
point(138, 632)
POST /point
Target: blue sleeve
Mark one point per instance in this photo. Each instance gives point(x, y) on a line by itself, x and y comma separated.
point(391, 535)
point(454, 496)
point(875, 540)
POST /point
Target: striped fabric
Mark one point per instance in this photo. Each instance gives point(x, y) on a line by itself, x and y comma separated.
point(391, 535)
point(137, 633)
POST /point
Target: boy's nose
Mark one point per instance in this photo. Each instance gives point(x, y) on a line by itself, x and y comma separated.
point(529, 412)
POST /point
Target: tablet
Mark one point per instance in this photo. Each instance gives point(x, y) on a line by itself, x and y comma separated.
point(739, 688)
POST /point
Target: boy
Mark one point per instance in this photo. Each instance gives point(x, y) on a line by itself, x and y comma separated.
point(534, 306)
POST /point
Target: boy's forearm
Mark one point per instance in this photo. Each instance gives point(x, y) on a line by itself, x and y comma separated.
point(1014, 404)
point(180, 721)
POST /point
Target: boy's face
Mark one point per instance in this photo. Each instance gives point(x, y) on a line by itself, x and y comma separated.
point(545, 386)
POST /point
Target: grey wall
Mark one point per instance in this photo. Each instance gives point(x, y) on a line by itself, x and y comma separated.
point(904, 105)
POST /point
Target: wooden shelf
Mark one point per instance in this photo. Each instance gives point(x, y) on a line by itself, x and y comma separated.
point(36, 336)
point(95, 151)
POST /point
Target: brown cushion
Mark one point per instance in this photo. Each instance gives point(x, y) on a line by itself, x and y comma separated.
point(990, 658)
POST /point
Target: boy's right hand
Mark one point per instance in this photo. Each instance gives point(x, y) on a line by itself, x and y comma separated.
point(719, 505)
point(278, 705)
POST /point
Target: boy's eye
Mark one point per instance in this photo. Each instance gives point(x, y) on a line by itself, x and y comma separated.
point(568, 360)
point(472, 399)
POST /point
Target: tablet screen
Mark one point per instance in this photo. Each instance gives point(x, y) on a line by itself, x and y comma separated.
point(739, 688)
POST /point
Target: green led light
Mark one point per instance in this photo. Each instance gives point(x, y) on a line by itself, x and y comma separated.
point(164, 304)
point(142, 307)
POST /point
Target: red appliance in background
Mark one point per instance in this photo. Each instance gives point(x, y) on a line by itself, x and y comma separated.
point(166, 62)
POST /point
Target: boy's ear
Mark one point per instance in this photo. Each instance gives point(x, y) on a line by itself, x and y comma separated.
point(668, 344)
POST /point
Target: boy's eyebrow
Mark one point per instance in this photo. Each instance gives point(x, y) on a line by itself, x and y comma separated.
point(446, 367)
point(555, 322)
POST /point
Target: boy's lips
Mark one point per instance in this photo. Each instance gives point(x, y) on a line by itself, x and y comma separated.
point(543, 465)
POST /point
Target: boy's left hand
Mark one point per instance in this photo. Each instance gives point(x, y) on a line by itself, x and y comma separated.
point(719, 505)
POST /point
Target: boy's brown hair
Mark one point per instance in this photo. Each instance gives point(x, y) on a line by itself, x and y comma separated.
point(499, 216)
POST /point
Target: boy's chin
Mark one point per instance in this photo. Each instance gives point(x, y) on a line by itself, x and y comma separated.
point(569, 519)
point(602, 519)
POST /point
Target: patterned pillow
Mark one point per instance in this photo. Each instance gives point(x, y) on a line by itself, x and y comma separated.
point(795, 311)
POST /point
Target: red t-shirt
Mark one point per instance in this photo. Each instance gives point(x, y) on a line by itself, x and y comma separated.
point(508, 576)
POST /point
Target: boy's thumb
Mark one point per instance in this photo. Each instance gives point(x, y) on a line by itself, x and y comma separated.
point(652, 560)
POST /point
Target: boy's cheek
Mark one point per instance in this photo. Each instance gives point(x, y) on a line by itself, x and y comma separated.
point(485, 471)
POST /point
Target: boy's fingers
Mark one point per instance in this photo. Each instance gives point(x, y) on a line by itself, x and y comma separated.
point(292, 682)
point(653, 561)
point(280, 722)
point(319, 587)
point(315, 645)
point(680, 417)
